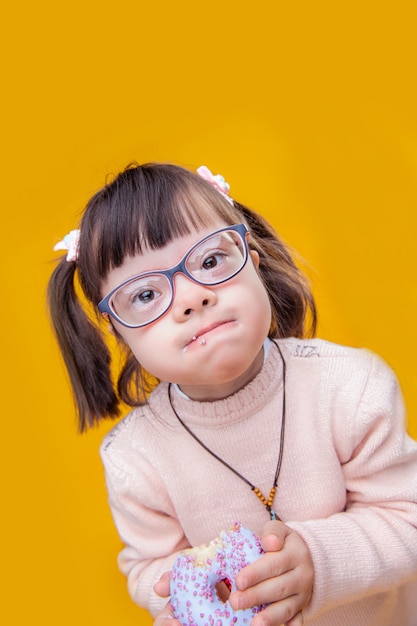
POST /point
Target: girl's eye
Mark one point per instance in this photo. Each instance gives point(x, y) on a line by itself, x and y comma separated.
point(213, 260)
point(143, 297)
point(146, 296)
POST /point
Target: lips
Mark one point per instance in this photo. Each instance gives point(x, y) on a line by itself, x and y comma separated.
point(206, 330)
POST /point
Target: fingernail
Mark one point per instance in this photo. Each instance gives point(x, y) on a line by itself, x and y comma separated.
point(238, 603)
point(241, 584)
point(234, 600)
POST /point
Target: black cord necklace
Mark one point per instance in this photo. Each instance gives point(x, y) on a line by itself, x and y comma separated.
point(267, 502)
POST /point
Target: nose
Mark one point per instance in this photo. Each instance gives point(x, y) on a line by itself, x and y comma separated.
point(190, 297)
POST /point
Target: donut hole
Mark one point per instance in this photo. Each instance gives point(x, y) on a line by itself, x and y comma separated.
point(223, 588)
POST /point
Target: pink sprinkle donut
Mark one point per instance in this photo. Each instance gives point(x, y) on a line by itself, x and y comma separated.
point(197, 571)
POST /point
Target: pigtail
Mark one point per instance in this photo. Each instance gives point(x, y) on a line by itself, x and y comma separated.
point(134, 384)
point(85, 353)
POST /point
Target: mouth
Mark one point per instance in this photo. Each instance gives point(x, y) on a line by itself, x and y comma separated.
point(202, 335)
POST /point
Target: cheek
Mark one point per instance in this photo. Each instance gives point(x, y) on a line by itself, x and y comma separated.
point(150, 347)
point(257, 301)
point(262, 316)
point(131, 338)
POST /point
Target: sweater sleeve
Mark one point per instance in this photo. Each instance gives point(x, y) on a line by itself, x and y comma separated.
point(145, 520)
point(372, 545)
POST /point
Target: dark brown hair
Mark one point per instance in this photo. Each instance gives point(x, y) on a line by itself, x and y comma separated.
point(145, 207)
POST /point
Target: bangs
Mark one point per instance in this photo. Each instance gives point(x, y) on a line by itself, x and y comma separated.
point(144, 208)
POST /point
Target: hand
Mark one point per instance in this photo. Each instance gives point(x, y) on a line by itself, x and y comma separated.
point(166, 616)
point(283, 578)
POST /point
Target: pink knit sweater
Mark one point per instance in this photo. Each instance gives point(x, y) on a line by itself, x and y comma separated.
point(348, 481)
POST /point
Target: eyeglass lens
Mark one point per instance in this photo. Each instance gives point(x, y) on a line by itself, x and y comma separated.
point(214, 260)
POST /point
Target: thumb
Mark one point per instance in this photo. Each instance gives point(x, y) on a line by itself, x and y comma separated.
point(274, 535)
point(162, 586)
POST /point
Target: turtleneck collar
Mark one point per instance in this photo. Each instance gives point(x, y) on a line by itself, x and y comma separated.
point(248, 400)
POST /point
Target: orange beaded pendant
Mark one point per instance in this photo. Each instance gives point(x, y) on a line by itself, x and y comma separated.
point(262, 498)
point(267, 502)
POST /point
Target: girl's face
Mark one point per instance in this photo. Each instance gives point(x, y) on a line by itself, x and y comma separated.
point(210, 340)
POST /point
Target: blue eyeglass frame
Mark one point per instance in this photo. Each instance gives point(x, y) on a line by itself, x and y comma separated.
point(104, 306)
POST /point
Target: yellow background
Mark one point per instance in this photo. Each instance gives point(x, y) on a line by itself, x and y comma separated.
point(310, 114)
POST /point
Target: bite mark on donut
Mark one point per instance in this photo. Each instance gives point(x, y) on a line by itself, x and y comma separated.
point(204, 554)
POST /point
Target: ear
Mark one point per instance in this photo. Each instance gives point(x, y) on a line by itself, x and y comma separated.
point(255, 257)
point(109, 326)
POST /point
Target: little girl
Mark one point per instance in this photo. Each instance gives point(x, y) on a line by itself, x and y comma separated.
point(239, 415)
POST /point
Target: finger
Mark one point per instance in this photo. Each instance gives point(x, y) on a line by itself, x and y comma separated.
point(274, 535)
point(268, 591)
point(162, 586)
point(166, 617)
point(270, 565)
point(298, 620)
point(286, 612)
point(294, 555)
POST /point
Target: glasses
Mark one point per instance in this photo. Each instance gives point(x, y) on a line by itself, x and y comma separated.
point(211, 261)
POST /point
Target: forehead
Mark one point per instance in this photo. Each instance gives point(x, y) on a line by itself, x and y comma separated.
point(151, 259)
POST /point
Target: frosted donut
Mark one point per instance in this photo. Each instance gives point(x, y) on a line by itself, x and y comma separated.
point(196, 572)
